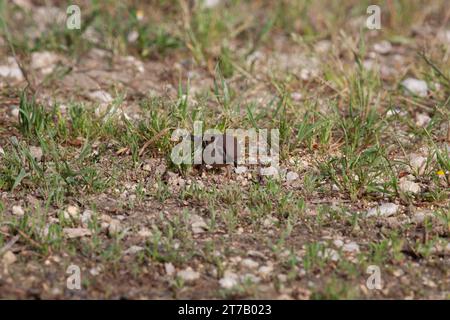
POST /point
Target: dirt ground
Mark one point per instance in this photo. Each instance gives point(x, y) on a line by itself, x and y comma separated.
point(87, 182)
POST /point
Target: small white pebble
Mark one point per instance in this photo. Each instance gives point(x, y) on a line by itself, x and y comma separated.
point(415, 87)
point(188, 274)
point(18, 211)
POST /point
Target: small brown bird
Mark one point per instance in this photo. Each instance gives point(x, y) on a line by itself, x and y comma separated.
point(223, 151)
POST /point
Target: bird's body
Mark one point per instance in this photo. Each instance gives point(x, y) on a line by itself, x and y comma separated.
point(218, 150)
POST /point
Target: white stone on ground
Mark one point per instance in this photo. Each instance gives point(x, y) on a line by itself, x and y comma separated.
point(134, 250)
point(198, 225)
point(408, 186)
point(133, 36)
point(14, 112)
point(351, 247)
point(11, 70)
point(73, 211)
point(240, 170)
point(188, 274)
point(8, 258)
point(86, 216)
point(229, 280)
point(265, 271)
point(36, 153)
point(338, 243)
point(44, 61)
point(418, 163)
point(169, 268)
point(18, 211)
point(249, 263)
point(416, 87)
point(420, 216)
point(329, 253)
point(76, 232)
point(382, 47)
point(385, 209)
point(100, 96)
point(296, 96)
point(211, 3)
point(114, 227)
point(291, 176)
point(422, 119)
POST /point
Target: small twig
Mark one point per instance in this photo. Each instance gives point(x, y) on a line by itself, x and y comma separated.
point(152, 140)
point(434, 67)
point(9, 244)
point(33, 242)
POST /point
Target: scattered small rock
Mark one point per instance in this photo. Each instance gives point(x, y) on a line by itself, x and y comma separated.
point(86, 217)
point(170, 269)
point(76, 232)
point(386, 209)
point(415, 87)
point(188, 274)
point(229, 280)
point(329, 253)
point(265, 271)
point(44, 61)
point(211, 3)
point(420, 216)
point(323, 46)
point(249, 277)
point(351, 247)
point(398, 272)
point(133, 36)
point(338, 243)
point(36, 153)
point(296, 96)
point(73, 212)
point(133, 250)
point(422, 119)
point(11, 70)
point(135, 63)
point(8, 258)
point(18, 211)
point(114, 227)
point(145, 233)
point(418, 163)
point(249, 263)
point(282, 277)
point(270, 171)
point(383, 47)
point(14, 112)
point(100, 96)
point(240, 170)
point(270, 221)
point(291, 176)
point(408, 186)
point(147, 167)
point(160, 170)
point(198, 225)
point(95, 271)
